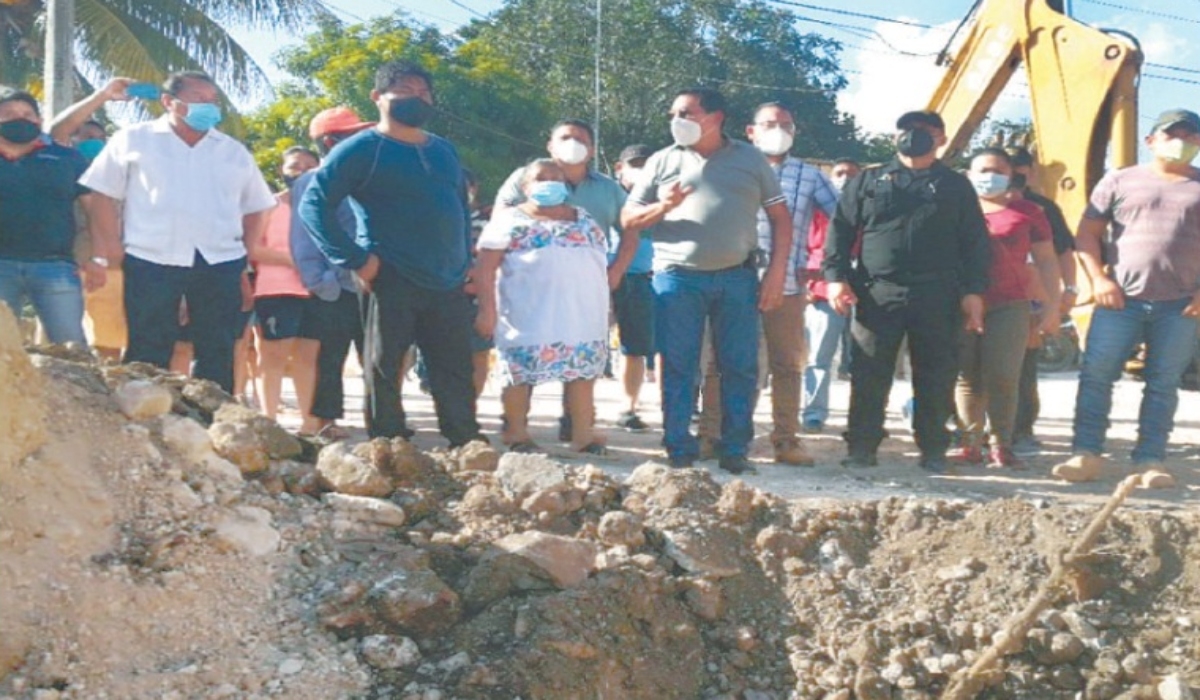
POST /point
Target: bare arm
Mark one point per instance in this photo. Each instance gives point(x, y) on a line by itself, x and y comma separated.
point(254, 229)
point(626, 250)
point(485, 290)
point(641, 217)
point(771, 291)
point(69, 121)
point(1105, 292)
point(1047, 268)
point(104, 226)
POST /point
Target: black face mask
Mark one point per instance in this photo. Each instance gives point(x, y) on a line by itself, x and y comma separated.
point(1018, 181)
point(914, 143)
point(20, 131)
point(412, 111)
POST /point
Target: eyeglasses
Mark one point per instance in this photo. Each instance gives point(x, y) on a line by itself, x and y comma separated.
point(789, 127)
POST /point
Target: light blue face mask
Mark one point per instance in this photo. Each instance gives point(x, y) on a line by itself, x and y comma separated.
point(90, 148)
point(548, 193)
point(202, 116)
point(989, 184)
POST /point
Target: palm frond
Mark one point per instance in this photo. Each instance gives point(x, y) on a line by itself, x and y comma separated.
point(290, 15)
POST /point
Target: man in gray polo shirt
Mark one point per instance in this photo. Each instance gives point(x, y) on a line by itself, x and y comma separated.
point(702, 197)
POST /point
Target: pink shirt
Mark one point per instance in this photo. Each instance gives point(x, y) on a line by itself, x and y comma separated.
point(278, 280)
point(1014, 229)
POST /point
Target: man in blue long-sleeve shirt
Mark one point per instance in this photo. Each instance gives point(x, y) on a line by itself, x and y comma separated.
point(411, 250)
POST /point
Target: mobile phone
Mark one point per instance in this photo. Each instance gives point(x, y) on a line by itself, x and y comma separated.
point(145, 91)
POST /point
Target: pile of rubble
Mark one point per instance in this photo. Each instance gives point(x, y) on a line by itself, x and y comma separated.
point(159, 541)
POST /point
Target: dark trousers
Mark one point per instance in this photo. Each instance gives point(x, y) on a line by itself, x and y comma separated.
point(440, 324)
point(1028, 402)
point(214, 297)
point(338, 324)
point(929, 315)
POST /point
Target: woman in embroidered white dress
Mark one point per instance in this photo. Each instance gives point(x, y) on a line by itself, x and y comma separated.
point(550, 320)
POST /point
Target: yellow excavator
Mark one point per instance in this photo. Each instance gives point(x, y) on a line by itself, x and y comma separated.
point(1083, 85)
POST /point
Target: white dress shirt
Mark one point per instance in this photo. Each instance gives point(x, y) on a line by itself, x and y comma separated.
point(179, 199)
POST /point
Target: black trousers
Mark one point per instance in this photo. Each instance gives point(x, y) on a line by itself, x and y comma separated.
point(1028, 402)
point(214, 296)
point(440, 323)
point(929, 314)
point(338, 323)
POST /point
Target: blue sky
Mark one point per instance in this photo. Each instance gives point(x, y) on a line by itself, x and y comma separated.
point(883, 82)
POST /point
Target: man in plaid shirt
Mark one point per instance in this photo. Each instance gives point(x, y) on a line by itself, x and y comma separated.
point(805, 189)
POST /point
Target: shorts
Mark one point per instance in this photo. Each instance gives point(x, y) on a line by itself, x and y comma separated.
point(633, 305)
point(287, 317)
point(245, 320)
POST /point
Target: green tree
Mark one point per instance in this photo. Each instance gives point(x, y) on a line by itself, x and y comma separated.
point(146, 40)
point(493, 116)
point(651, 48)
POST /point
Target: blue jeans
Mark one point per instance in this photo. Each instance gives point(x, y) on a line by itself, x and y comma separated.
point(1170, 341)
point(54, 288)
point(683, 299)
point(823, 329)
point(214, 296)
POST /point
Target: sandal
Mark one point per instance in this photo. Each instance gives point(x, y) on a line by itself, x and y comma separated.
point(332, 433)
point(526, 447)
point(594, 448)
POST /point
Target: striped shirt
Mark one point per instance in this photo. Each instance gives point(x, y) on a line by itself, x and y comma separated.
point(804, 187)
point(1154, 248)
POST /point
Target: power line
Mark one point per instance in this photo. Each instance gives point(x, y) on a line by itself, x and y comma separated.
point(1152, 13)
point(851, 13)
point(862, 33)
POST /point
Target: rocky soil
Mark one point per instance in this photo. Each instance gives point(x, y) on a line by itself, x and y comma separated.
point(159, 541)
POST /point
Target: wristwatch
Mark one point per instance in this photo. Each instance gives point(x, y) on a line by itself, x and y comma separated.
point(1071, 289)
point(101, 261)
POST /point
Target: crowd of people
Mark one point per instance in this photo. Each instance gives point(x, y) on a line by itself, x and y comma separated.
point(732, 263)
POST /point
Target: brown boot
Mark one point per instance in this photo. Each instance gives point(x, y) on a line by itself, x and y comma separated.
point(1084, 466)
point(792, 452)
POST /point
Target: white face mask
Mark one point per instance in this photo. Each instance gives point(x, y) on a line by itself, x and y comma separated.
point(1175, 150)
point(569, 151)
point(685, 131)
point(839, 183)
point(631, 175)
point(773, 142)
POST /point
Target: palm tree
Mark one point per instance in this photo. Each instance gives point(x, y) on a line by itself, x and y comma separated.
point(146, 39)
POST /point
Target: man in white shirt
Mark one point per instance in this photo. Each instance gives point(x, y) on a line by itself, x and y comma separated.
point(192, 199)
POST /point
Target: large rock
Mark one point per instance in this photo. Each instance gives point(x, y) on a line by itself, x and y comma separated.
point(478, 456)
point(415, 602)
point(663, 487)
point(238, 443)
point(521, 475)
point(389, 652)
point(369, 511)
point(344, 469)
point(711, 552)
point(620, 529)
point(247, 529)
point(140, 399)
point(186, 437)
point(567, 561)
point(272, 439)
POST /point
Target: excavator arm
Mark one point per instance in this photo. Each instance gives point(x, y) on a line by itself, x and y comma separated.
point(1082, 85)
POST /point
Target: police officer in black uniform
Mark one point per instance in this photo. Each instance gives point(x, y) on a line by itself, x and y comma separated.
point(921, 269)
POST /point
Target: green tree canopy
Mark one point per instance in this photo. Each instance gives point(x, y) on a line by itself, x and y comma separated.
point(493, 116)
point(650, 49)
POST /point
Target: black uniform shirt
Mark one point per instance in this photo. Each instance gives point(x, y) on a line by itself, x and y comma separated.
point(916, 226)
point(1060, 232)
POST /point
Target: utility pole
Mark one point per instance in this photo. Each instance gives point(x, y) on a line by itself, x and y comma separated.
point(58, 74)
point(596, 118)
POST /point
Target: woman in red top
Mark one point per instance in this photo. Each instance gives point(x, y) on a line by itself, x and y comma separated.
point(990, 361)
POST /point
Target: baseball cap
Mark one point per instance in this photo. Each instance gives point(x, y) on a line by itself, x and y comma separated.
point(336, 120)
point(8, 94)
point(635, 152)
point(1171, 117)
point(909, 120)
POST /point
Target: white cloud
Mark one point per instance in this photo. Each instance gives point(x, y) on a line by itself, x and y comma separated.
point(889, 81)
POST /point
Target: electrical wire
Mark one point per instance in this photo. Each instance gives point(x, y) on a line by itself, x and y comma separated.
point(1152, 13)
point(851, 13)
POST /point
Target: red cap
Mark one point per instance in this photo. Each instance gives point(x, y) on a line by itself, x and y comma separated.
point(336, 120)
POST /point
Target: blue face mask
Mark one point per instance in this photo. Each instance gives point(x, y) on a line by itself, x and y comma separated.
point(202, 116)
point(548, 193)
point(989, 184)
point(90, 148)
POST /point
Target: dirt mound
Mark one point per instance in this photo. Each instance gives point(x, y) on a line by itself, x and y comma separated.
point(195, 552)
